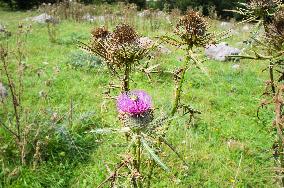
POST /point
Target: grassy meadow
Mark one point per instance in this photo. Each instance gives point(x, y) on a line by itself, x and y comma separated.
point(225, 146)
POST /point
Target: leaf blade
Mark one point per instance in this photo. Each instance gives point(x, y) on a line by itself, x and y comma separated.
point(154, 156)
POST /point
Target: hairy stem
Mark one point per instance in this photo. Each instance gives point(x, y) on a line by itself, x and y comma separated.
point(126, 77)
point(139, 158)
point(271, 76)
point(14, 98)
point(134, 182)
point(279, 127)
point(151, 170)
point(178, 90)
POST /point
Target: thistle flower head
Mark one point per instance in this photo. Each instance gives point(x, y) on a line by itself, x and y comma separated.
point(134, 103)
point(275, 32)
point(192, 28)
point(118, 49)
point(262, 4)
point(124, 33)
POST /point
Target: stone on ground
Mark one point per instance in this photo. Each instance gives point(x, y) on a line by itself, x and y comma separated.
point(220, 52)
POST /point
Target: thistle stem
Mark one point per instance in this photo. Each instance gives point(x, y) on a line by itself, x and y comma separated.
point(151, 170)
point(271, 75)
point(138, 153)
point(139, 158)
point(126, 77)
point(278, 123)
point(178, 90)
point(134, 164)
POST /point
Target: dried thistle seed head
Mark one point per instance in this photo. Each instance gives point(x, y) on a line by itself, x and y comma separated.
point(275, 32)
point(192, 28)
point(263, 4)
point(193, 23)
point(100, 33)
point(278, 21)
point(118, 48)
point(261, 9)
point(124, 33)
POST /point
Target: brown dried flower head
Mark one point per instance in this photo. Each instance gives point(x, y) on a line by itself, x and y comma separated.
point(192, 28)
point(117, 48)
point(124, 33)
point(263, 4)
point(100, 33)
point(261, 9)
point(275, 33)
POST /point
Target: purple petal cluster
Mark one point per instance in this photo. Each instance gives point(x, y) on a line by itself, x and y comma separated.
point(134, 102)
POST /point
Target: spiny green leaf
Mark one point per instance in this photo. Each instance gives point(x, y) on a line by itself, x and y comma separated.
point(153, 155)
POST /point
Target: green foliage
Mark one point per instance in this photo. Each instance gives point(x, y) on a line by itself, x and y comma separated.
point(79, 59)
point(203, 5)
point(227, 98)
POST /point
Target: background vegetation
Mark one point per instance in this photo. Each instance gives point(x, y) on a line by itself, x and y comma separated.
point(205, 5)
point(226, 146)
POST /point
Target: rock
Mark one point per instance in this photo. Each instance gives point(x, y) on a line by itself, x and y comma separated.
point(235, 66)
point(235, 145)
point(145, 13)
point(220, 51)
point(3, 92)
point(43, 18)
point(239, 44)
point(90, 18)
point(4, 31)
point(146, 42)
point(225, 24)
point(161, 14)
point(234, 32)
point(163, 50)
point(102, 18)
point(2, 28)
point(246, 28)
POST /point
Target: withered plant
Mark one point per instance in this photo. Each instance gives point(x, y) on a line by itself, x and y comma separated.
point(121, 50)
point(270, 47)
point(14, 122)
point(191, 32)
point(52, 30)
point(67, 10)
point(258, 10)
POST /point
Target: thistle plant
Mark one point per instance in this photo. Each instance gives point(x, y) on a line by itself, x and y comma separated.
point(52, 30)
point(190, 32)
point(135, 110)
point(121, 51)
point(271, 48)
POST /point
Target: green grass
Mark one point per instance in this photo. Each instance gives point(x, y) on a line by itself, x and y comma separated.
point(227, 98)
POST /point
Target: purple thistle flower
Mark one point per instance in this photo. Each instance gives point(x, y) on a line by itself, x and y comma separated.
point(134, 102)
